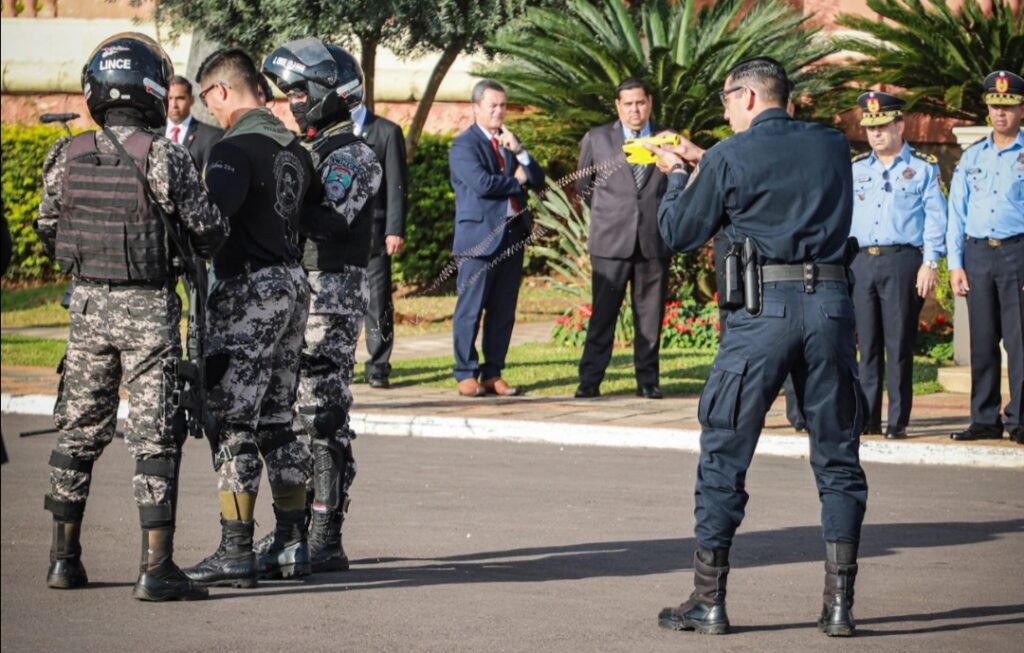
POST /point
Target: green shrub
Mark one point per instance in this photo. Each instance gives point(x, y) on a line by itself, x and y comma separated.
point(430, 224)
point(24, 150)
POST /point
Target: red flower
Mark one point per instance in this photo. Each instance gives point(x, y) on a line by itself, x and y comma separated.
point(940, 319)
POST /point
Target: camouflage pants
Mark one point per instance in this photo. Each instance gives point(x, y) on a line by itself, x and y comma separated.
point(118, 332)
point(256, 321)
point(337, 307)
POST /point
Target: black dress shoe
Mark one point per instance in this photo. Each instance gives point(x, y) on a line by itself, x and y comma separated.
point(587, 391)
point(872, 429)
point(978, 432)
point(800, 427)
point(379, 382)
point(895, 433)
point(651, 391)
point(1017, 435)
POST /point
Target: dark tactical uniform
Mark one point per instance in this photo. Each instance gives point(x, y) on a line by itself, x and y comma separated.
point(985, 236)
point(351, 175)
point(257, 308)
point(899, 221)
point(786, 185)
point(124, 318)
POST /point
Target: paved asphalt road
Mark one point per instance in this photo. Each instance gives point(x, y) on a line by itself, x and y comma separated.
point(483, 546)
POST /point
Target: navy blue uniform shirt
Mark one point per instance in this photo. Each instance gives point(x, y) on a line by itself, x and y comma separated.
point(784, 183)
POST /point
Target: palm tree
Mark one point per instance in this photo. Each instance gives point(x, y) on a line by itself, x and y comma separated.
point(939, 56)
point(568, 61)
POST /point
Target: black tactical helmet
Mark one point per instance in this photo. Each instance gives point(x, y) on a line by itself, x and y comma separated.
point(128, 70)
point(330, 77)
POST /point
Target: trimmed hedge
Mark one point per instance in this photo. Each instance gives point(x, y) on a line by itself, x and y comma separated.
point(23, 152)
point(430, 224)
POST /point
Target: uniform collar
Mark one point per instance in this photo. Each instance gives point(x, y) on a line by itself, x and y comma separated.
point(775, 113)
point(990, 140)
point(905, 154)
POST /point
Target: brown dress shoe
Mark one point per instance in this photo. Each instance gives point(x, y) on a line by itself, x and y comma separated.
point(497, 386)
point(470, 388)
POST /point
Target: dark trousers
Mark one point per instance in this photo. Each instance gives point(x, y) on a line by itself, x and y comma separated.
point(995, 308)
point(487, 294)
point(380, 316)
point(648, 285)
point(887, 306)
point(794, 414)
point(810, 336)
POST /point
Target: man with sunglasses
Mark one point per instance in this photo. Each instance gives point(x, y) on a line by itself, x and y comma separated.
point(783, 188)
point(985, 236)
point(899, 221)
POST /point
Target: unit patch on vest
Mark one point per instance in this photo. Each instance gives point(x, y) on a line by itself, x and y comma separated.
point(289, 182)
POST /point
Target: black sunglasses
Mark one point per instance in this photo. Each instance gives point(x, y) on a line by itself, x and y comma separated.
point(202, 94)
point(887, 187)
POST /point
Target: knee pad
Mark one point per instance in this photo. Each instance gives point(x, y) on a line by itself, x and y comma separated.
point(322, 422)
point(329, 470)
point(64, 510)
point(161, 514)
point(60, 460)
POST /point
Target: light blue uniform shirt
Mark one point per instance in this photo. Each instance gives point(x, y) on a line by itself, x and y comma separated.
point(644, 133)
point(901, 204)
point(986, 196)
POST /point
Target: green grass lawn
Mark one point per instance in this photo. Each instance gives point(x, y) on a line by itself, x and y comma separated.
point(40, 307)
point(32, 352)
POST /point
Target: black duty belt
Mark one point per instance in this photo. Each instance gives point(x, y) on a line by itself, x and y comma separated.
point(995, 242)
point(246, 267)
point(882, 250)
point(128, 285)
point(807, 273)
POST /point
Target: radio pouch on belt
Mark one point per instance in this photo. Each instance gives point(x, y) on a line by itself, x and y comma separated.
point(751, 278)
point(731, 296)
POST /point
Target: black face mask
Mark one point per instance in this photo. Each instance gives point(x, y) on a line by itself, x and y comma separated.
point(299, 113)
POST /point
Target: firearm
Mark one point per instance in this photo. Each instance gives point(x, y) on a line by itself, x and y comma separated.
point(637, 154)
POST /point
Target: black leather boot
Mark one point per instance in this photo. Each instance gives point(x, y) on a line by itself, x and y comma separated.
point(836, 618)
point(704, 611)
point(233, 563)
point(66, 570)
point(325, 550)
point(286, 555)
point(159, 578)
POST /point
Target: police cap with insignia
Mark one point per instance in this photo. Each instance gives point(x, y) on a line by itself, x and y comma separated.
point(879, 108)
point(1004, 88)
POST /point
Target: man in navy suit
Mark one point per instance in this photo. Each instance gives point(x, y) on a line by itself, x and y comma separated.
point(183, 128)
point(490, 172)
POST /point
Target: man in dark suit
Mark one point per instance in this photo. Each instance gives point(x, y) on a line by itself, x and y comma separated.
point(183, 128)
point(389, 207)
point(490, 172)
point(625, 246)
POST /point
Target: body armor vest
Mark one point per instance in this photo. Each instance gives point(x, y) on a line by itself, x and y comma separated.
point(108, 230)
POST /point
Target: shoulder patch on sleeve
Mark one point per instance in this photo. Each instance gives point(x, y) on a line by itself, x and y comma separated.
point(929, 158)
point(860, 157)
point(338, 172)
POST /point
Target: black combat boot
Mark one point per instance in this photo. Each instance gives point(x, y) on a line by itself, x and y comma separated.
point(66, 570)
point(233, 563)
point(159, 578)
point(704, 611)
point(325, 550)
point(286, 554)
point(836, 618)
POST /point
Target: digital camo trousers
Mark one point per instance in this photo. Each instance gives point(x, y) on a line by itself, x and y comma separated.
point(117, 333)
point(337, 307)
point(256, 321)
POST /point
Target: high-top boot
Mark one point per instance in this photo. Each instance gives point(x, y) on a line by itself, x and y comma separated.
point(325, 550)
point(836, 618)
point(159, 578)
point(287, 554)
point(233, 563)
point(66, 570)
point(704, 611)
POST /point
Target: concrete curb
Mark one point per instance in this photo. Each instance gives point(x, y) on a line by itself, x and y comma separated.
point(508, 430)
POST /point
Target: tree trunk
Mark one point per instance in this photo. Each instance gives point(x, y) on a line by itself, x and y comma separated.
point(368, 60)
point(429, 93)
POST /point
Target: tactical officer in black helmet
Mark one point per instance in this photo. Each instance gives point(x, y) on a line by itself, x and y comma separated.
point(100, 220)
point(783, 190)
point(324, 83)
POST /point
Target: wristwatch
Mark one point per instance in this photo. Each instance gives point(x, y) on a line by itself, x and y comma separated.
point(934, 265)
point(677, 168)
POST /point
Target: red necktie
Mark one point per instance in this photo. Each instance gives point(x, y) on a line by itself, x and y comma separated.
point(175, 131)
point(501, 168)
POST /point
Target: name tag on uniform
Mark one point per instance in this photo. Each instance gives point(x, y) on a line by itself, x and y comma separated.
point(864, 178)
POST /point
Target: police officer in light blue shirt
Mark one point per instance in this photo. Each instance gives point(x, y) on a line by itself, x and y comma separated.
point(985, 236)
point(899, 220)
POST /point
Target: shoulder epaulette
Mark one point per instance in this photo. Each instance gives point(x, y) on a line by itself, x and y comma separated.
point(858, 157)
point(930, 158)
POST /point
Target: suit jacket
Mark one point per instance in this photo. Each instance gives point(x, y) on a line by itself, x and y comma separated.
point(621, 214)
point(391, 202)
point(482, 192)
point(200, 139)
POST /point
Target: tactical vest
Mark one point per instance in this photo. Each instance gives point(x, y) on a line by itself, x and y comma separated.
point(108, 231)
point(354, 248)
